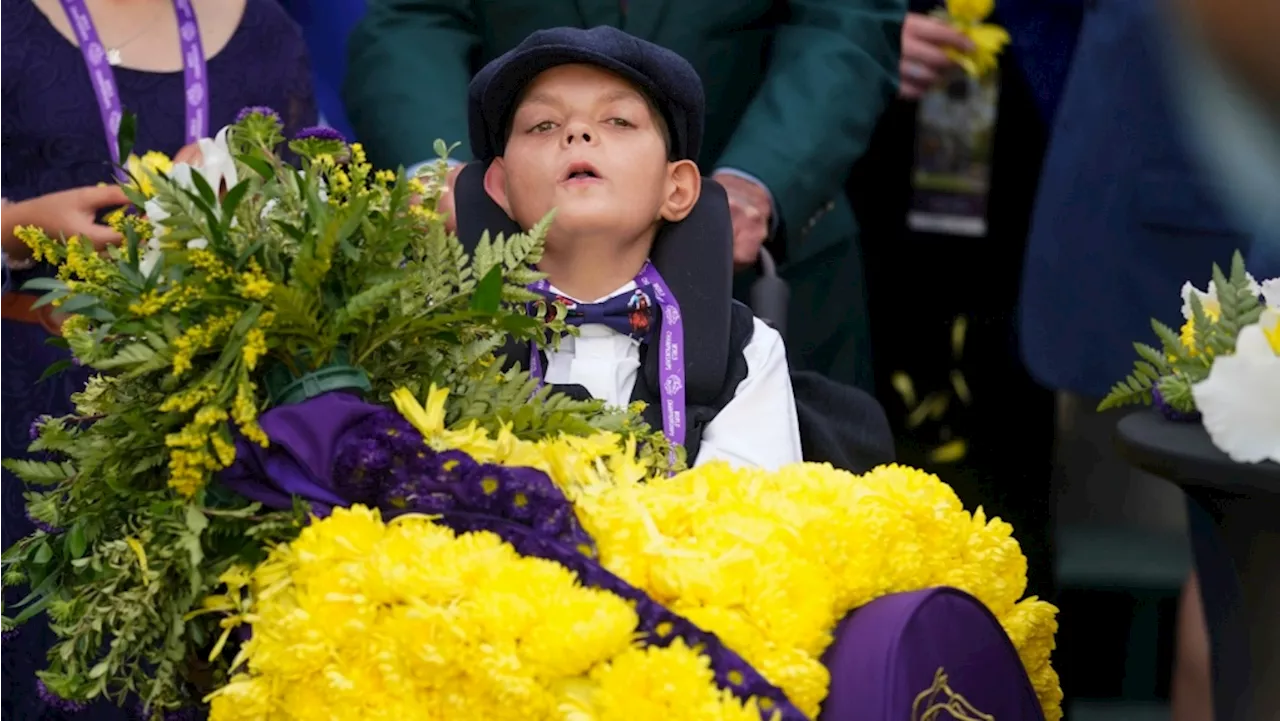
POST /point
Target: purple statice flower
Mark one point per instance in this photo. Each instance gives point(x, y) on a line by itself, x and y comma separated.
point(189, 713)
point(34, 430)
point(262, 110)
point(1169, 412)
point(9, 634)
point(42, 526)
point(56, 702)
point(319, 132)
point(383, 461)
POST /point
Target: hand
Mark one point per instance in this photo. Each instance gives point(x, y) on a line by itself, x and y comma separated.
point(446, 206)
point(189, 154)
point(751, 210)
point(924, 58)
point(73, 212)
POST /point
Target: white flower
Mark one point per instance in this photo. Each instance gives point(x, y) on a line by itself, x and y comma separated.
point(180, 175)
point(1240, 400)
point(216, 164)
point(1209, 299)
point(155, 212)
point(1271, 293)
point(150, 258)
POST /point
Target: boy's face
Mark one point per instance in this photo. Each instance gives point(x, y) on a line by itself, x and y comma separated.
point(587, 143)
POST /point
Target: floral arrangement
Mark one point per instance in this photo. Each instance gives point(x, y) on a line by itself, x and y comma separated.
point(968, 17)
point(1222, 367)
point(494, 551)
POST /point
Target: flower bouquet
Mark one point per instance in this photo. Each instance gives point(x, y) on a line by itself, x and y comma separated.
point(968, 17)
point(301, 487)
point(1222, 367)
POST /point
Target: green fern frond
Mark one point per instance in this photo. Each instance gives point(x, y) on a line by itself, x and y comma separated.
point(44, 473)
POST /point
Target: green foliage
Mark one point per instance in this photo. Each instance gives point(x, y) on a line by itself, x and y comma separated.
point(1185, 358)
point(222, 286)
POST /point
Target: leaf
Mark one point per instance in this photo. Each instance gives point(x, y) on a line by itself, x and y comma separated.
point(196, 520)
point(49, 297)
point(232, 201)
point(76, 542)
point(488, 294)
point(39, 472)
point(126, 135)
point(33, 610)
point(131, 355)
point(43, 554)
point(369, 299)
point(100, 669)
point(259, 166)
point(54, 369)
point(204, 189)
point(78, 303)
point(44, 284)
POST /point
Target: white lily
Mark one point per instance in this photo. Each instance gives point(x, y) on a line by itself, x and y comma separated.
point(216, 164)
point(218, 169)
point(1240, 400)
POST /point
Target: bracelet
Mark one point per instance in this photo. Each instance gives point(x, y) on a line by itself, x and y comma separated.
point(12, 263)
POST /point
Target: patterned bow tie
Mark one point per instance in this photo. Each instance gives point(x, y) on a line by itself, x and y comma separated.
point(633, 313)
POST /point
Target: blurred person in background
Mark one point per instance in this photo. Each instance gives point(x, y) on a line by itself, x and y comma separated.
point(326, 25)
point(58, 149)
point(1165, 160)
point(793, 90)
point(947, 363)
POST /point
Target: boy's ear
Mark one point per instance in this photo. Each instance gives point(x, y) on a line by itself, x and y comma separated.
point(684, 186)
point(495, 184)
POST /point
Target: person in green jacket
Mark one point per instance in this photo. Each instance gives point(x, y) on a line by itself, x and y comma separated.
point(793, 91)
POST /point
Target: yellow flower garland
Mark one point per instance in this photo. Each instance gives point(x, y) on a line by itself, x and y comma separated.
point(770, 561)
point(362, 620)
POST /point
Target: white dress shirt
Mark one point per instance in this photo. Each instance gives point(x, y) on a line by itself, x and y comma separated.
point(757, 428)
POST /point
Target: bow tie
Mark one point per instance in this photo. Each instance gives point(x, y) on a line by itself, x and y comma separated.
point(633, 313)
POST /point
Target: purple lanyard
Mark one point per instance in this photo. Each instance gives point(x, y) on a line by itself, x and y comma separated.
point(671, 372)
point(104, 79)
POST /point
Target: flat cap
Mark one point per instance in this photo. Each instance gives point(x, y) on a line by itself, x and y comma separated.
point(668, 79)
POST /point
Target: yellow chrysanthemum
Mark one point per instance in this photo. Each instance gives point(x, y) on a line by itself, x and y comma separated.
point(358, 619)
point(771, 561)
point(574, 463)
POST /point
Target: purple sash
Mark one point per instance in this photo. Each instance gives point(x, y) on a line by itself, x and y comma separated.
point(195, 95)
point(671, 371)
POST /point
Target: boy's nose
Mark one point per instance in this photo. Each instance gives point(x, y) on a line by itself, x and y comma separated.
point(577, 134)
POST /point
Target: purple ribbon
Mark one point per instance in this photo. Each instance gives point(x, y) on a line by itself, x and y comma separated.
point(195, 82)
point(671, 377)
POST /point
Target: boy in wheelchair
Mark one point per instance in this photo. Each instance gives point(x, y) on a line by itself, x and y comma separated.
point(605, 128)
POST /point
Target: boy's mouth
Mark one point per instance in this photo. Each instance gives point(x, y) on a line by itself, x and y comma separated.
point(579, 172)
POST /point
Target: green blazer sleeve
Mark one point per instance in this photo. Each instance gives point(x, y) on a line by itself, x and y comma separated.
point(408, 68)
point(833, 70)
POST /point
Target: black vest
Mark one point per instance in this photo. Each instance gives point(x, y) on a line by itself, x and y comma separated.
point(698, 411)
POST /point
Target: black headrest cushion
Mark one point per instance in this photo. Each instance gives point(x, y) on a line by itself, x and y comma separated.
point(694, 256)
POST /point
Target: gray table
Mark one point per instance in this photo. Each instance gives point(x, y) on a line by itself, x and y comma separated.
point(1235, 535)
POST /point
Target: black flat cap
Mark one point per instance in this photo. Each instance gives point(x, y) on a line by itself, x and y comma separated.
point(666, 77)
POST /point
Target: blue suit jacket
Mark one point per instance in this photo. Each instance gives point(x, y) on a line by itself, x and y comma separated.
point(1123, 217)
point(325, 26)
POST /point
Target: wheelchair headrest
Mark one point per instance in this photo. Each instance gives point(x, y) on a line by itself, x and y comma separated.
point(694, 256)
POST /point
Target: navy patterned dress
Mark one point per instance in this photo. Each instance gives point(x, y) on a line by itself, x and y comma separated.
point(53, 140)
